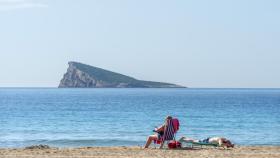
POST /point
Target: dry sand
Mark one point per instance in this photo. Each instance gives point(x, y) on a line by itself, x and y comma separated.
point(137, 152)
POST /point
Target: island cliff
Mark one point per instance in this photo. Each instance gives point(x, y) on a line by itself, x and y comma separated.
point(80, 75)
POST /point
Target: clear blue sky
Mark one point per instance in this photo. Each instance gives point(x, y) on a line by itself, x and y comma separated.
point(196, 43)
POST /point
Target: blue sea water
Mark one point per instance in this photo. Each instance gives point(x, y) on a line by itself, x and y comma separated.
point(109, 117)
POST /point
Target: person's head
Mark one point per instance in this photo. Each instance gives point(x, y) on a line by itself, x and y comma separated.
point(228, 144)
point(168, 117)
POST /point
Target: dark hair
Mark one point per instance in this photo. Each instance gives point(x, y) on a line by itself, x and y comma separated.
point(168, 117)
point(229, 144)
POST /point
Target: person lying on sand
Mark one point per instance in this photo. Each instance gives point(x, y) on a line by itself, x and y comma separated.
point(159, 133)
point(222, 142)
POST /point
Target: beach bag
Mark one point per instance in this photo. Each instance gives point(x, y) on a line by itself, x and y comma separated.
point(173, 144)
point(176, 124)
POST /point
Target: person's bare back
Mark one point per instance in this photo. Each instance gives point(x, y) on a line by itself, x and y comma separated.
point(223, 142)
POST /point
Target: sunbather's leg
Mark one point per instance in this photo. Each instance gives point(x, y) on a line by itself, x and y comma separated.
point(184, 139)
point(150, 139)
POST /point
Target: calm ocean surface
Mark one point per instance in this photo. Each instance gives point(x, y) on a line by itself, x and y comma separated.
point(106, 117)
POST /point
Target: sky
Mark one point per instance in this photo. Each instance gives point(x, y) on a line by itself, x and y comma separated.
point(194, 43)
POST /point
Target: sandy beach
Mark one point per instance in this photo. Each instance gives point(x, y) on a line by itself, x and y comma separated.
point(129, 152)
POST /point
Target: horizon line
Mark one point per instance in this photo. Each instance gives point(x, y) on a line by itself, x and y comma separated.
point(147, 88)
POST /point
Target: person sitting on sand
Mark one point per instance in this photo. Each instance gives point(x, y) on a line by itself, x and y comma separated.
point(222, 142)
point(159, 133)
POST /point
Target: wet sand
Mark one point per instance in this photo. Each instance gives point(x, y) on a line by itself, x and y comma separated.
point(138, 152)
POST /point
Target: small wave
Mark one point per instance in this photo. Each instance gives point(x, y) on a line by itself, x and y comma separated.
point(72, 142)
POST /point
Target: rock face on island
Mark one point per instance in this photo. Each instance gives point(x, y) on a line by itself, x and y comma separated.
point(80, 75)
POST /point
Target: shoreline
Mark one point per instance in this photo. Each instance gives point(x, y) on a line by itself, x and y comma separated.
point(252, 151)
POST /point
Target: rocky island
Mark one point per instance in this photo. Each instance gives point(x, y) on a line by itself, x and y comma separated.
point(80, 75)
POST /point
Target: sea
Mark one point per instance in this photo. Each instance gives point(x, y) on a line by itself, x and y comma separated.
point(126, 116)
